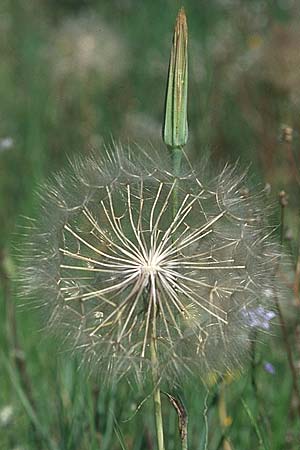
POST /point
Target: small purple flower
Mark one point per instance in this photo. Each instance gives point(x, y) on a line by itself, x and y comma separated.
point(258, 317)
point(269, 368)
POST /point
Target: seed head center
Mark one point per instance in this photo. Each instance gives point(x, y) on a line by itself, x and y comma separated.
point(151, 266)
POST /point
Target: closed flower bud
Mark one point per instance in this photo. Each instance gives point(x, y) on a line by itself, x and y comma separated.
point(175, 128)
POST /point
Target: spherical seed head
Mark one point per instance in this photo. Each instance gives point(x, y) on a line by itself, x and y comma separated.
point(124, 250)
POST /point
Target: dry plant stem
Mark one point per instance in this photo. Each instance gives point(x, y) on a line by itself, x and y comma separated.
point(156, 390)
point(297, 276)
point(182, 419)
point(184, 445)
point(295, 171)
point(293, 163)
point(297, 280)
point(284, 331)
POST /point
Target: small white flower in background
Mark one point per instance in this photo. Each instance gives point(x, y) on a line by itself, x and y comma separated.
point(85, 45)
point(111, 258)
point(6, 143)
point(6, 415)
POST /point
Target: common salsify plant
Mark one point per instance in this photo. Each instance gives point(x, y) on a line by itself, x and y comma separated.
point(149, 264)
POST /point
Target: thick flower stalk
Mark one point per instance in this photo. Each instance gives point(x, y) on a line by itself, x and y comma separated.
point(113, 264)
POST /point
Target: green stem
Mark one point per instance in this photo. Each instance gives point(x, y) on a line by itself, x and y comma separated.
point(176, 156)
point(156, 390)
point(176, 153)
point(176, 159)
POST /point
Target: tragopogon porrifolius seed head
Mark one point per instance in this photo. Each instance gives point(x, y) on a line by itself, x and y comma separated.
point(111, 259)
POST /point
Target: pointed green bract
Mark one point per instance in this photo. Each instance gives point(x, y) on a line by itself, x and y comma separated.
point(175, 128)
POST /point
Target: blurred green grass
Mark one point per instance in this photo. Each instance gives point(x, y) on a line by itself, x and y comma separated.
point(74, 74)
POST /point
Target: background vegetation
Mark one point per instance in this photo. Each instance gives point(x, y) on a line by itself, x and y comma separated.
point(74, 74)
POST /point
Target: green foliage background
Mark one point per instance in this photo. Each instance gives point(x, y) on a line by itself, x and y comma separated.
point(74, 74)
